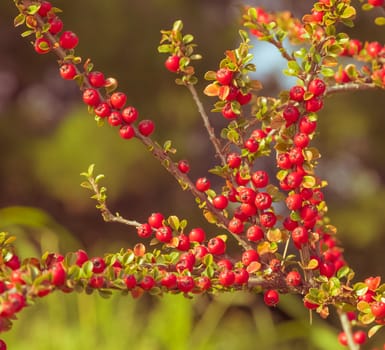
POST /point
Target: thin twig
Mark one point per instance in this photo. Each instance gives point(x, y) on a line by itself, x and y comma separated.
point(348, 87)
point(206, 122)
point(348, 331)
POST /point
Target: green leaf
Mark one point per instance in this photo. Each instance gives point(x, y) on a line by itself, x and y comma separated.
point(165, 48)
point(372, 331)
point(348, 13)
point(380, 21)
point(27, 33)
point(32, 9)
point(19, 20)
point(343, 271)
point(327, 72)
point(187, 39)
point(177, 26)
point(173, 221)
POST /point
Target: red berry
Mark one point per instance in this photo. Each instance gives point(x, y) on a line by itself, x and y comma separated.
point(220, 202)
point(42, 45)
point(246, 195)
point(296, 156)
point(183, 242)
point(317, 87)
point(309, 305)
point(342, 338)
point(246, 210)
point(130, 281)
point(216, 246)
point(197, 235)
point(226, 278)
point(200, 252)
point(294, 179)
point(13, 263)
point(241, 276)
point(203, 283)
point(202, 184)
point(289, 224)
point(359, 337)
point(96, 79)
point(263, 200)
point(314, 104)
point(271, 297)
point(294, 201)
point(130, 114)
point(58, 274)
point(249, 256)
point(376, 2)
point(300, 236)
point(67, 71)
point(243, 99)
point(164, 234)
point(254, 233)
point(68, 40)
point(225, 264)
point(293, 279)
point(155, 220)
point(307, 126)
point(185, 284)
point(147, 282)
point(98, 265)
point(236, 226)
point(378, 309)
point(172, 63)
point(260, 179)
point(373, 49)
point(55, 25)
point(127, 132)
point(169, 280)
point(102, 110)
point(44, 8)
point(234, 160)
point(224, 76)
point(183, 166)
point(91, 97)
point(301, 140)
point(229, 93)
point(268, 219)
point(290, 114)
point(146, 127)
point(228, 112)
point(17, 300)
point(296, 93)
point(283, 161)
point(3, 345)
point(81, 257)
point(96, 281)
point(252, 145)
point(118, 100)
point(115, 118)
point(144, 230)
point(6, 309)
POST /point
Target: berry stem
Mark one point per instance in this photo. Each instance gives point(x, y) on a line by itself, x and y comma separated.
point(206, 122)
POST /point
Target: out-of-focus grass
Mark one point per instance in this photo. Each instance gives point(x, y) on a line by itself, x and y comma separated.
point(63, 322)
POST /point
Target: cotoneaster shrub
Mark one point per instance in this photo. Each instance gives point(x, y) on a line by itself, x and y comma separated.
point(286, 242)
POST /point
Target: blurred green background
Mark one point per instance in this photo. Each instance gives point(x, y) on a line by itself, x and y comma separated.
point(47, 138)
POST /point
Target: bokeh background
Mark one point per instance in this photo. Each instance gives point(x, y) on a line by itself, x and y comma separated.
point(47, 138)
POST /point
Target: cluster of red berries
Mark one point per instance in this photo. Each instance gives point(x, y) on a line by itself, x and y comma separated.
point(230, 93)
point(111, 107)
